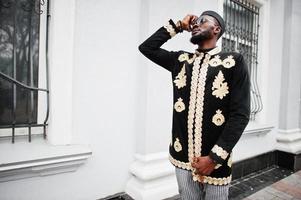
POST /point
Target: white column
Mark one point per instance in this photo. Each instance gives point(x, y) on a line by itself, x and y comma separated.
point(153, 176)
point(289, 138)
point(60, 71)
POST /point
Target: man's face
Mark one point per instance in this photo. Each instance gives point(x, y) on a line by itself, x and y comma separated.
point(203, 29)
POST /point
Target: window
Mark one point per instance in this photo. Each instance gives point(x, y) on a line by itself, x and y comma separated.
point(242, 28)
point(19, 64)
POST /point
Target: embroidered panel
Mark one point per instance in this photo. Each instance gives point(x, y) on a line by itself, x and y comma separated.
point(220, 88)
point(177, 145)
point(218, 119)
point(183, 57)
point(180, 80)
point(228, 62)
point(216, 61)
point(191, 59)
point(199, 106)
point(179, 105)
point(192, 101)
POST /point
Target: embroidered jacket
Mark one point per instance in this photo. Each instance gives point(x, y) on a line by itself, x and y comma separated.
point(211, 103)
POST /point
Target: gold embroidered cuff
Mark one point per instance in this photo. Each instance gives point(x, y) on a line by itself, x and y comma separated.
point(220, 152)
point(170, 28)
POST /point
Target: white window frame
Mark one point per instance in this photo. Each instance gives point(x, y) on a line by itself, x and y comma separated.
point(261, 124)
point(42, 98)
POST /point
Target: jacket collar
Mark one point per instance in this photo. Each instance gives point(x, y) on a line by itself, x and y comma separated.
point(212, 52)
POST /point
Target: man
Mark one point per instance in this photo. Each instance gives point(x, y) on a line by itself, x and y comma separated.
point(211, 104)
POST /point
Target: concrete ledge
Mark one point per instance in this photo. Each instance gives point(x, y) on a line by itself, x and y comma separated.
point(26, 160)
point(254, 128)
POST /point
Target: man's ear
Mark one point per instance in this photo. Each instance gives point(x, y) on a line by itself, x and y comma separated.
point(217, 30)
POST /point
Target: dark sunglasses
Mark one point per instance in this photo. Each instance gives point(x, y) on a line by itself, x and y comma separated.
point(202, 20)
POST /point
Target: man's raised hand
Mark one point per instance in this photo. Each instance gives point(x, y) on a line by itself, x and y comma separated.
point(187, 21)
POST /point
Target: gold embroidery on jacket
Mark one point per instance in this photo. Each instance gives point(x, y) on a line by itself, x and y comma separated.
point(217, 166)
point(183, 57)
point(192, 101)
point(228, 62)
point(191, 59)
point(180, 80)
point(216, 61)
point(212, 180)
point(179, 105)
point(220, 151)
point(212, 52)
point(169, 28)
point(220, 88)
point(218, 119)
point(180, 164)
point(177, 145)
point(229, 163)
point(199, 107)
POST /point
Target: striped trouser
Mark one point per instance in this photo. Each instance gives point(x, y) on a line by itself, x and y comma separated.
point(193, 190)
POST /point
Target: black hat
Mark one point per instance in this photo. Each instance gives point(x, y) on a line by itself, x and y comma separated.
point(218, 18)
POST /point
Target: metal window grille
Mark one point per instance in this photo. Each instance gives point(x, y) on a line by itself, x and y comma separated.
point(19, 65)
point(242, 28)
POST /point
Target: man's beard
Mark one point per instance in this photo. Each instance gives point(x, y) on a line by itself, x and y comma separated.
point(197, 39)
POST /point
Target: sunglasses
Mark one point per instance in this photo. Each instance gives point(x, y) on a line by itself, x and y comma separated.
point(202, 20)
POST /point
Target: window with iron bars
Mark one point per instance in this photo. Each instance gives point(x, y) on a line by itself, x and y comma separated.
point(241, 35)
point(19, 66)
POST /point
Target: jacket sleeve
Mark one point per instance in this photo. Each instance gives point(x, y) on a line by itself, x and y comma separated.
point(238, 114)
point(151, 47)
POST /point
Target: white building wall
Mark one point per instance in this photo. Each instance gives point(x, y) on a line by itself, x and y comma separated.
point(120, 104)
point(106, 92)
point(101, 84)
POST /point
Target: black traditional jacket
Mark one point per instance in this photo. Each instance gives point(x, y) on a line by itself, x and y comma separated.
point(211, 93)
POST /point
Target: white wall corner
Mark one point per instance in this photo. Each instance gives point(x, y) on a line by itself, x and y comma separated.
point(153, 177)
point(289, 140)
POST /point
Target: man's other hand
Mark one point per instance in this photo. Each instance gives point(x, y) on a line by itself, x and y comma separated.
point(203, 165)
